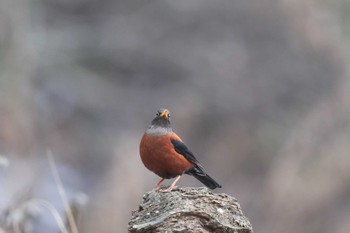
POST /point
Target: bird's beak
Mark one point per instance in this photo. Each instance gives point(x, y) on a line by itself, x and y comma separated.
point(164, 114)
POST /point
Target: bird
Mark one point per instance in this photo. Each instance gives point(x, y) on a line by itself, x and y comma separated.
point(163, 152)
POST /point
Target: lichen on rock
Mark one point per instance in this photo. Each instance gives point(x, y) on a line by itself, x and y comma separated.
point(188, 210)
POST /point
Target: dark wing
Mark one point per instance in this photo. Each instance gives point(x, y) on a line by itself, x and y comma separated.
point(196, 171)
point(182, 149)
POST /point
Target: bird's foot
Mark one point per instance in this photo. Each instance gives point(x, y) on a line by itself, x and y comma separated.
point(157, 187)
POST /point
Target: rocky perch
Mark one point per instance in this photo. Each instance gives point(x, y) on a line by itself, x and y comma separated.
point(189, 210)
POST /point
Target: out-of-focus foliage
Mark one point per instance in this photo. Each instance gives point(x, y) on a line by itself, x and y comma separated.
point(259, 90)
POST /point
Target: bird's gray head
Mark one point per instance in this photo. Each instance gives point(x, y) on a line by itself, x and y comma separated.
point(162, 119)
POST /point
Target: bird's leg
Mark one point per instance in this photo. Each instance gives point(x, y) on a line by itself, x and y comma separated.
point(157, 187)
point(171, 186)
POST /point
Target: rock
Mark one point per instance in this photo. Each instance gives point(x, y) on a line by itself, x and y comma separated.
point(189, 210)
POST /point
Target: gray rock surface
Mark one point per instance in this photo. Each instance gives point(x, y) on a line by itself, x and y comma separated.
point(189, 210)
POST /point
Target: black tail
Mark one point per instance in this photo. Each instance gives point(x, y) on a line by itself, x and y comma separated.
point(200, 175)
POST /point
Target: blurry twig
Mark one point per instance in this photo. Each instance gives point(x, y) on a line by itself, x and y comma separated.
point(68, 210)
point(76, 205)
point(52, 209)
point(15, 218)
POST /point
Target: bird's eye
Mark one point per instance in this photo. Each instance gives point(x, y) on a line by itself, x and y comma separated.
point(168, 115)
point(157, 114)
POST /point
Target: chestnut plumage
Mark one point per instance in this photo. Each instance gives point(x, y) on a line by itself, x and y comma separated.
point(163, 152)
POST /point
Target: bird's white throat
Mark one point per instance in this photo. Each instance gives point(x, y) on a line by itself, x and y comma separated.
point(156, 130)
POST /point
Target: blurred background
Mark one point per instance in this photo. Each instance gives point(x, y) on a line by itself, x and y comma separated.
point(259, 90)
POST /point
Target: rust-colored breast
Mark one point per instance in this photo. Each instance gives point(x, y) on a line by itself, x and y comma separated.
point(158, 155)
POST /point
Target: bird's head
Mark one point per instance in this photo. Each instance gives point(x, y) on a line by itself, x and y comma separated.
point(162, 118)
